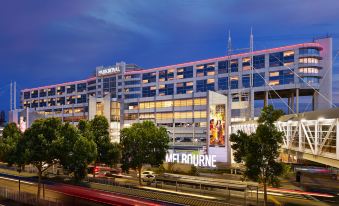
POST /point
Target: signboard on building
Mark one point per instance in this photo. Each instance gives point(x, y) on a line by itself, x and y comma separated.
point(217, 125)
point(108, 71)
point(197, 160)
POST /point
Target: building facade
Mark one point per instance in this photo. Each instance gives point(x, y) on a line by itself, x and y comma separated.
point(181, 97)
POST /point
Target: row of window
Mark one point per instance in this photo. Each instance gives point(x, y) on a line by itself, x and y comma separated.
point(53, 91)
point(166, 104)
point(167, 115)
point(56, 101)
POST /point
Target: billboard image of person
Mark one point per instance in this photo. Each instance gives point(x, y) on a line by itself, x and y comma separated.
point(217, 125)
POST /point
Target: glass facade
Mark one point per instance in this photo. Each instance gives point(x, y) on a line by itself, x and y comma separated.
point(205, 70)
point(184, 87)
point(185, 72)
point(166, 89)
point(205, 85)
point(281, 77)
point(149, 77)
point(223, 83)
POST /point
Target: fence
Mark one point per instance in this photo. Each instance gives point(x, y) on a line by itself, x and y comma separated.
point(27, 198)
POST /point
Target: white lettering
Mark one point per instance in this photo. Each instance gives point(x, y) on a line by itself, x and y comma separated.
point(110, 70)
point(196, 160)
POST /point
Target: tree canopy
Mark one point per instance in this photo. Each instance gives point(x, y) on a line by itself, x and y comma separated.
point(259, 151)
point(143, 143)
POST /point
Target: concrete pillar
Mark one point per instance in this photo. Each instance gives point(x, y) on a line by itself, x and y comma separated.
point(252, 103)
point(266, 99)
point(292, 103)
point(297, 100)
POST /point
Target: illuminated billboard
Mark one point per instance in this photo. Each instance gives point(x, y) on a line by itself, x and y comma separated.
point(217, 125)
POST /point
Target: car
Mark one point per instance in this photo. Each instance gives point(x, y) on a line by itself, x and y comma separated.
point(114, 173)
point(147, 176)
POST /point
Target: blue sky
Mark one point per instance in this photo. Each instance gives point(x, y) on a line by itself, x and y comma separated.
point(45, 41)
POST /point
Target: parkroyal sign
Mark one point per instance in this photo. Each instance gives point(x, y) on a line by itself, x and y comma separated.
point(110, 70)
point(196, 160)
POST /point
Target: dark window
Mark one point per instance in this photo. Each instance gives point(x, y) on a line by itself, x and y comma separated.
point(223, 83)
point(51, 92)
point(223, 67)
point(205, 70)
point(92, 82)
point(205, 85)
point(167, 89)
point(149, 91)
point(166, 75)
point(51, 102)
point(70, 89)
point(234, 82)
point(184, 87)
point(42, 103)
point(276, 59)
point(61, 90)
point(258, 79)
point(135, 82)
point(281, 77)
point(185, 72)
point(27, 95)
point(132, 89)
point(246, 81)
point(149, 77)
point(234, 65)
point(82, 99)
point(259, 61)
point(131, 96)
point(61, 101)
point(91, 88)
point(43, 93)
point(81, 87)
point(35, 94)
point(309, 51)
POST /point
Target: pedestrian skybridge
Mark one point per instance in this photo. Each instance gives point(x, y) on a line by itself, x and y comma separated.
point(311, 136)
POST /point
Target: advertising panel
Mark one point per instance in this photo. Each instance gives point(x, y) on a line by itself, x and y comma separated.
point(217, 125)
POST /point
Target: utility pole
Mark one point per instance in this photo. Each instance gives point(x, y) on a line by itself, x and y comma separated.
point(14, 96)
point(11, 97)
point(251, 79)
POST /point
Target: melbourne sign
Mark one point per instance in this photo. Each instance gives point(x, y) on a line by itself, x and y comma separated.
point(110, 70)
point(196, 160)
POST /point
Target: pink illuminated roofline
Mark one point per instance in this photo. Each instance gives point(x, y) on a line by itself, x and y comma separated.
point(311, 44)
point(58, 85)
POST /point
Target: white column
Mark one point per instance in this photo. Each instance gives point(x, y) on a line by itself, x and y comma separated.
point(316, 135)
point(297, 101)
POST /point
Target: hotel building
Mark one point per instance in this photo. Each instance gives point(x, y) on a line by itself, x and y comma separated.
point(184, 97)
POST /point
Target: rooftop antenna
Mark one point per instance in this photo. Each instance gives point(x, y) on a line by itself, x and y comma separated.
point(229, 43)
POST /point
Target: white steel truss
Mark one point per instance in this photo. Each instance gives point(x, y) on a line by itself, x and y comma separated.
point(316, 137)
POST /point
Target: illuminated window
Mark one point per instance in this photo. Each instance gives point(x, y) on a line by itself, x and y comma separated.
point(149, 77)
point(200, 114)
point(200, 101)
point(164, 115)
point(183, 102)
point(100, 108)
point(246, 63)
point(308, 60)
point(309, 70)
point(183, 115)
point(205, 85)
point(184, 87)
point(115, 111)
point(234, 82)
point(185, 72)
point(281, 77)
point(205, 70)
point(146, 116)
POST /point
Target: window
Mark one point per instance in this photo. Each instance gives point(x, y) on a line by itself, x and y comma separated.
point(183, 115)
point(81, 98)
point(199, 114)
point(51, 91)
point(259, 61)
point(149, 91)
point(115, 111)
point(309, 70)
point(310, 80)
point(200, 101)
point(205, 70)
point(27, 95)
point(60, 90)
point(127, 83)
point(259, 79)
point(51, 102)
point(205, 85)
point(147, 105)
point(42, 103)
point(276, 59)
point(166, 75)
point(308, 60)
point(246, 63)
point(132, 76)
point(71, 100)
point(183, 102)
point(131, 96)
point(81, 87)
point(163, 104)
point(185, 72)
point(43, 93)
point(246, 81)
point(131, 106)
point(146, 116)
point(184, 87)
point(166, 89)
point(222, 67)
point(281, 77)
point(288, 58)
point(61, 101)
point(309, 51)
point(70, 89)
point(149, 77)
point(131, 89)
point(234, 65)
point(223, 83)
point(34, 94)
point(164, 115)
point(234, 82)
point(130, 116)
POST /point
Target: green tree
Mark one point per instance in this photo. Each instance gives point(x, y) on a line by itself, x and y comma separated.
point(107, 152)
point(76, 151)
point(40, 145)
point(259, 151)
point(143, 143)
point(9, 145)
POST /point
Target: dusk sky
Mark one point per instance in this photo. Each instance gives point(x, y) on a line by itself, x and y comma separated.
point(46, 42)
